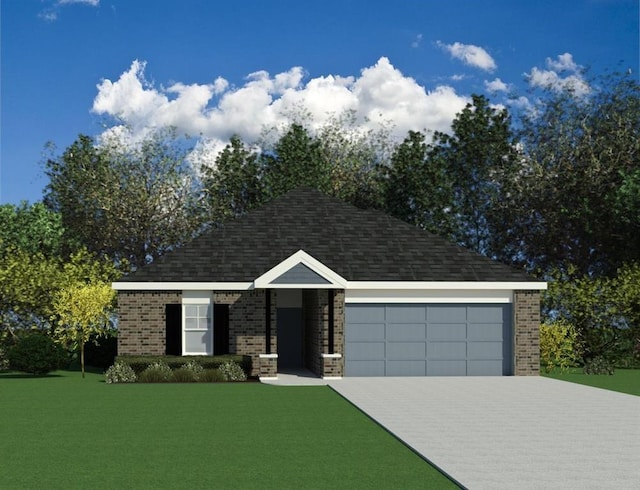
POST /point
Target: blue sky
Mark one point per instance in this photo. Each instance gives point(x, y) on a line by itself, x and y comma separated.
point(216, 68)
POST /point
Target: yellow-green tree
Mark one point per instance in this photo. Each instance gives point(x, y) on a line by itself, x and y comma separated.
point(82, 310)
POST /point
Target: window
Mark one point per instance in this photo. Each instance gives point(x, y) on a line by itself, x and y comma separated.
point(197, 325)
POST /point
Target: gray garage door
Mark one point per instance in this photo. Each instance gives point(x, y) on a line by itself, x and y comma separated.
point(428, 340)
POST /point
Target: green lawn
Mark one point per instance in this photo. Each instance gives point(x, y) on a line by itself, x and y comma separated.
point(623, 380)
point(61, 431)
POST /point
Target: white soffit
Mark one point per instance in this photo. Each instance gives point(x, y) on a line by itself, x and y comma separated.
point(446, 285)
point(428, 296)
point(182, 286)
point(301, 257)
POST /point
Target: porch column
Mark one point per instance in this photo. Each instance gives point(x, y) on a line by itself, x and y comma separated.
point(330, 315)
point(268, 362)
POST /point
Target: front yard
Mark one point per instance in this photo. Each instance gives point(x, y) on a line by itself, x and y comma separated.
point(623, 380)
point(61, 431)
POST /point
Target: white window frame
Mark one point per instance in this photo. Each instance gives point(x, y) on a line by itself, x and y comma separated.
point(198, 299)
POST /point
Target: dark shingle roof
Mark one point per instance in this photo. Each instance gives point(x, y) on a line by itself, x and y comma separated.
point(360, 245)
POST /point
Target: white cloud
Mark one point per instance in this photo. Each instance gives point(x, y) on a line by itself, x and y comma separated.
point(380, 95)
point(496, 85)
point(50, 14)
point(470, 55)
point(561, 74)
point(416, 41)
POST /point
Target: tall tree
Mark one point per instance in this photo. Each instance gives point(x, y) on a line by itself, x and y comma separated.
point(474, 154)
point(575, 196)
point(129, 202)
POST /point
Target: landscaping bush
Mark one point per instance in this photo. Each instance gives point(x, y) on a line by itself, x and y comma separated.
point(100, 351)
point(158, 372)
point(598, 365)
point(35, 353)
point(120, 373)
point(212, 376)
point(4, 360)
point(183, 375)
point(194, 368)
point(232, 372)
point(559, 346)
point(140, 363)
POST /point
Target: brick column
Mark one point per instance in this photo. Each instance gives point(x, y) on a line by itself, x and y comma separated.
point(268, 366)
point(526, 328)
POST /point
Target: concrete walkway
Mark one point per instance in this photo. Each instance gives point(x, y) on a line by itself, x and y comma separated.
point(509, 432)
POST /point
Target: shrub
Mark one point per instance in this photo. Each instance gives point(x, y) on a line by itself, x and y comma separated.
point(232, 372)
point(120, 373)
point(158, 372)
point(212, 376)
point(4, 360)
point(140, 363)
point(35, 353)
point(100, 351)
point(183, 375)
point(194, 368)
point(559, 347)
point(598, 365)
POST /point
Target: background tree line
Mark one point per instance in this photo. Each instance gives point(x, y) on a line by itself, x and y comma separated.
point(553, 190)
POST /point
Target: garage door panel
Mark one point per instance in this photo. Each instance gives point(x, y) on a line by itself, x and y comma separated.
point(485, 350)
point(447, 350)
point(485, 314)
point(365, 314)
point(406, 314)
point(446, 314)
point(446, 368)
point(485, 368)
point(406, 331)
point(359, 351)
point(406, 368)
point(366, 331)
point(453, 331)
point(485, 331)
point(406, 351)
point(365, 368)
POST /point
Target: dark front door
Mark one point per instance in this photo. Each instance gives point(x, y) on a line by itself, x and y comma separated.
point(289, 326)
point(173, 334)
point(220, 329)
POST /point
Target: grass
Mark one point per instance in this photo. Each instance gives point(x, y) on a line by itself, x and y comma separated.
point(623, 380)
point(61, 431)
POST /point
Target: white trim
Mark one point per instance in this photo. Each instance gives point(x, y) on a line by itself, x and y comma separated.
point(428, 296)
point(443, 285)
point(332, 377)
point(331, 356)
point(268, 356)
point(197, 298)
point(300, 257)
point(182, 286)
point(267, 378)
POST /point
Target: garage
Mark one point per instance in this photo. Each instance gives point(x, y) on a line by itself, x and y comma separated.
point(428, 340)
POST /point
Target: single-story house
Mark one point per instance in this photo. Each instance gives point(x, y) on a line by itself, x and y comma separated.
point(310, 281)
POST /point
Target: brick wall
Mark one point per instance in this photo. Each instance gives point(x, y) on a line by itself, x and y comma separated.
point(142, 321)
point(247, 323)
point(527, 333)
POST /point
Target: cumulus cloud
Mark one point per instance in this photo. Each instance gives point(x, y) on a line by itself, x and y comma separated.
point(496, 85)
point(213, 112)
point(50, 14)
point(470, 55)
point(560, 74)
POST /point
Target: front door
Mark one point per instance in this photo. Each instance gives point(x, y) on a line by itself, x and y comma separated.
point(289, 325)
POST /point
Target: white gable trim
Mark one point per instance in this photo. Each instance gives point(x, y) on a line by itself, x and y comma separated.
point(182, 286)
point(301, 257)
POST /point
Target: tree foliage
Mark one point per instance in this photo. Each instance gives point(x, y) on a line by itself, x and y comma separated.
point(128, 202)
point(82, 310)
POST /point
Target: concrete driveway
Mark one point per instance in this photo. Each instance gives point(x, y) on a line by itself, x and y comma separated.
point(509, 432)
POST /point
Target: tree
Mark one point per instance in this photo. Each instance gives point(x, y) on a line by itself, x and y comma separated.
point(31, 228)
point(82, 310)
point(575, 198)
point(126, 201)
point(233, 186)
point(418, 188)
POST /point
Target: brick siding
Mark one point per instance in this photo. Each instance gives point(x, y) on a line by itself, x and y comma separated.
point(527, 333)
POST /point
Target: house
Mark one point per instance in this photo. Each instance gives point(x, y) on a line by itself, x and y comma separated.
point(310, 281)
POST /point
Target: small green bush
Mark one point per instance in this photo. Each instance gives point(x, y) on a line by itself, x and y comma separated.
point(559, 346)
point(158, 372)
point(212, 376)
point(183, 375)
point(4, 360)
point(140, 363)
point(232, 372)
point(100, 351)
point(35, 353)
point(598, 365)
point(120, 373)
point(194, 368)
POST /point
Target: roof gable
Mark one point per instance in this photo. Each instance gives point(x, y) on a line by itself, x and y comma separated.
point(300, 270)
